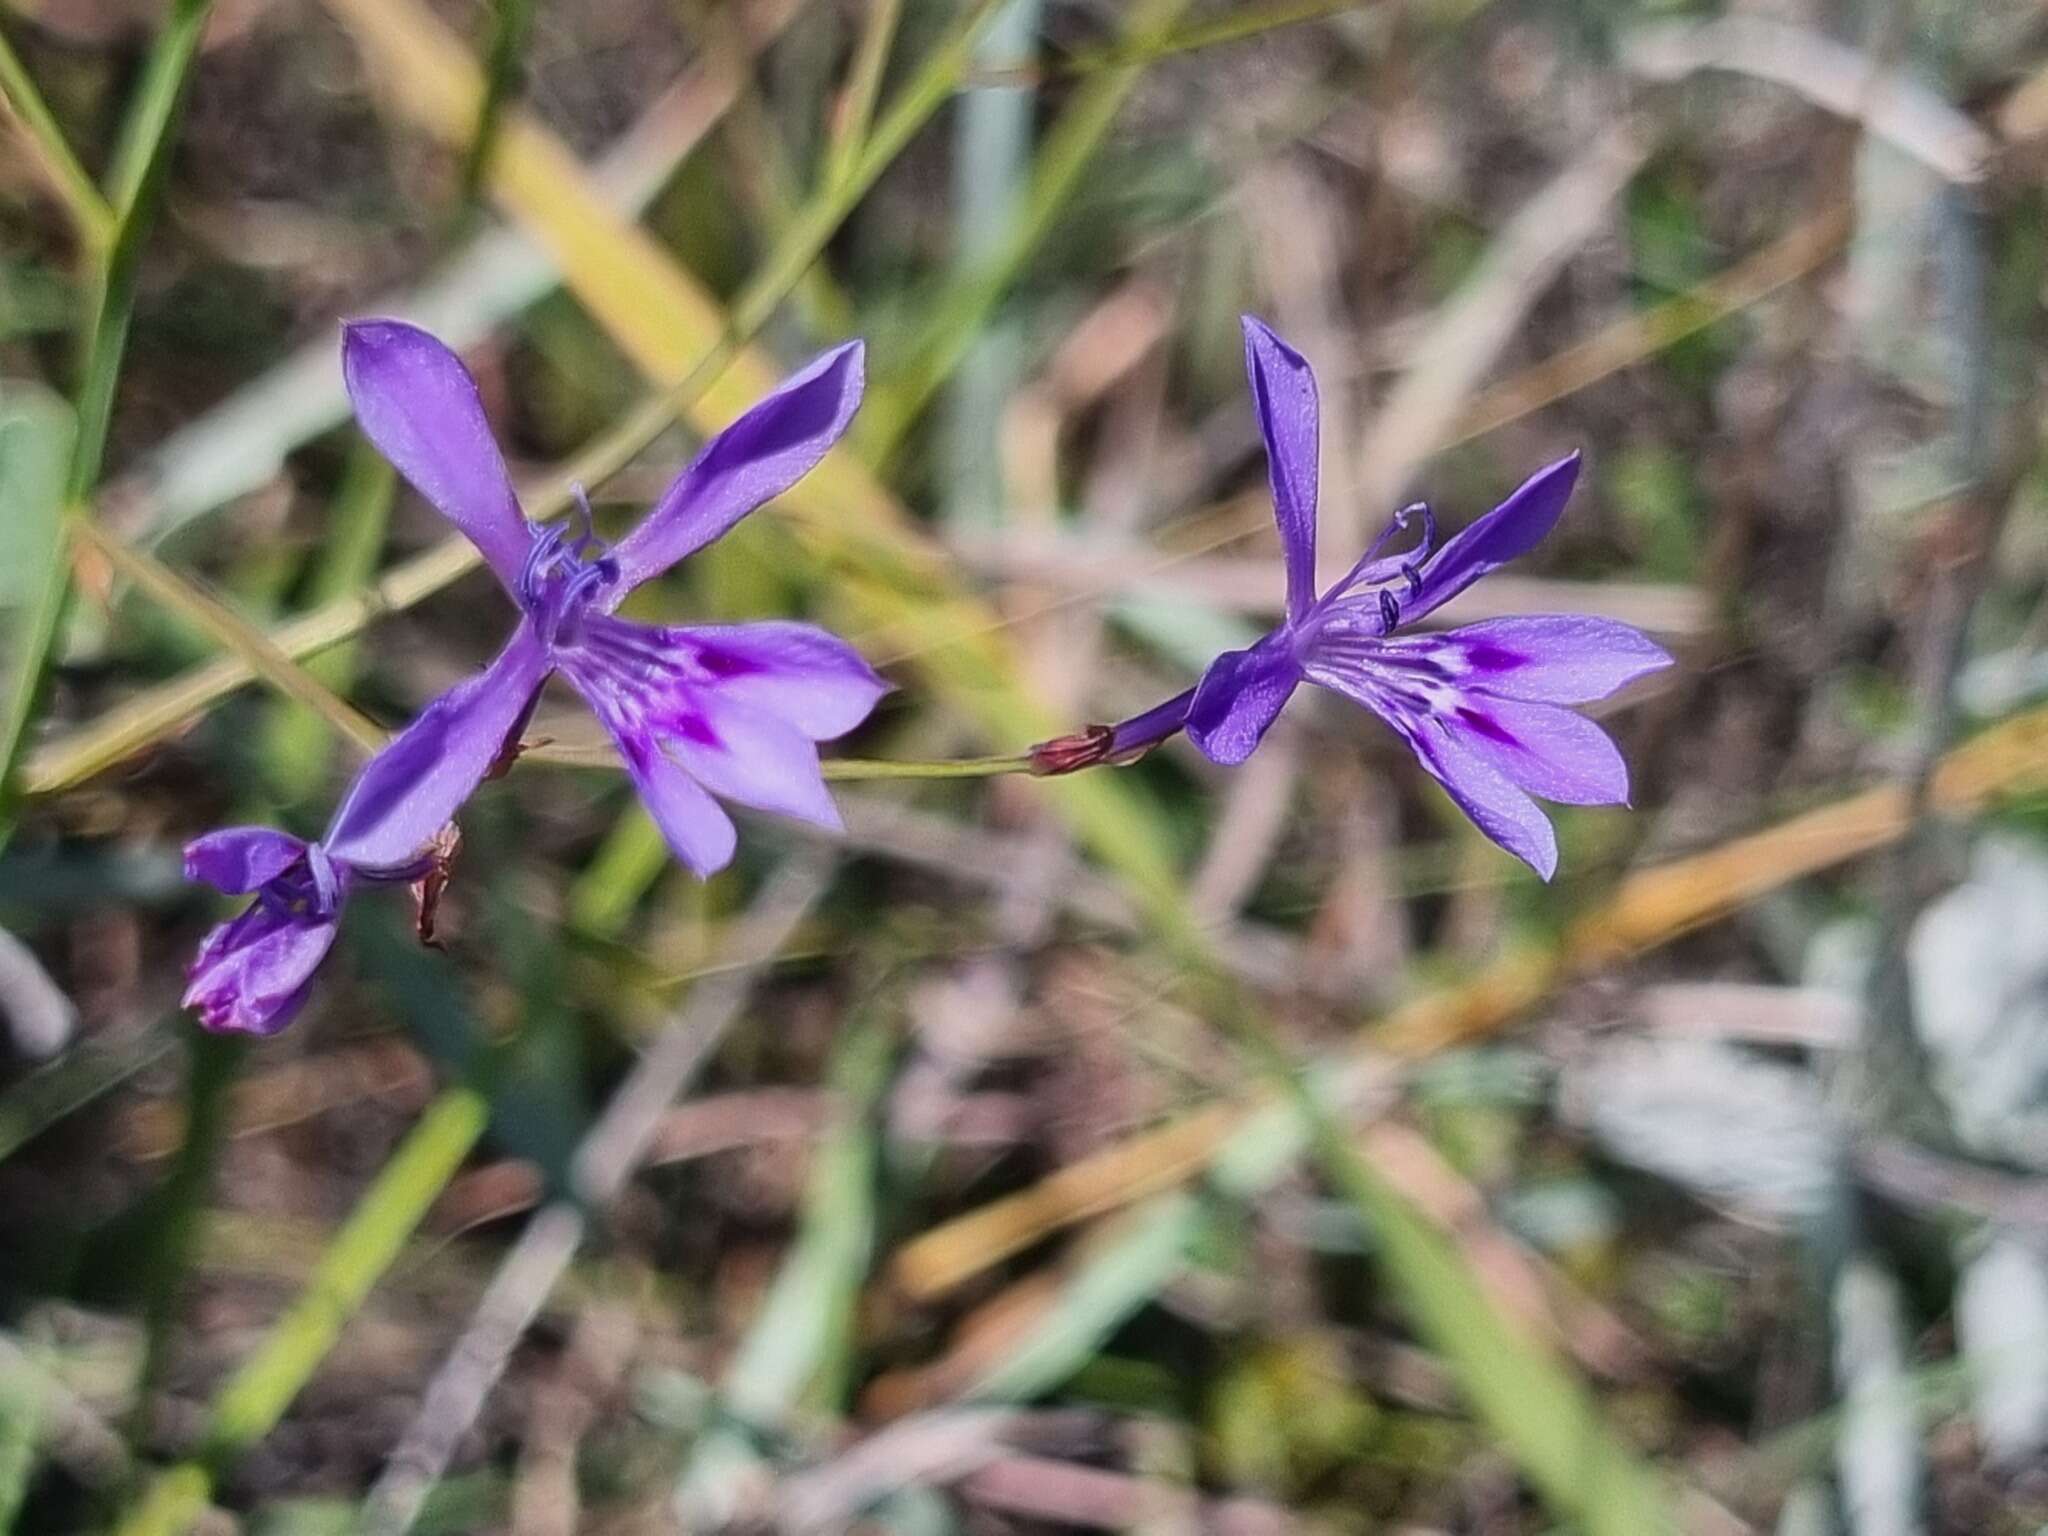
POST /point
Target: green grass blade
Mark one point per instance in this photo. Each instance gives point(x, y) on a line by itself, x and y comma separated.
point(36, 430)
point(139, 167)
point(856, 110)
point(296, 742)
point(1543, 1415)
point(231, 632)
point(257, 1395)
point(68, 179)
point(805, 1325)
point(511, 26)
point(960, 312)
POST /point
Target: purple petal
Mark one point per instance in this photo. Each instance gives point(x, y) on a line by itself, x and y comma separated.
point(253, 973)
point(1426, 712)
point(419, 405)
point(1543, 748)
point(1482, 792)
point(1284, 391)
point(796, 672)
point(747, 755)
point(411, 789)
point(751, 462)
point(1511, 529)
point(697, 831)
point(236, 860)
point(1544, 658)
point(1238, 698)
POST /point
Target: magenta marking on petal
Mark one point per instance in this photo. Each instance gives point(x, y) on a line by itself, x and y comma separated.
point(1485, 656)
point(1487, 726)
point(694, 727)
point(723, 664)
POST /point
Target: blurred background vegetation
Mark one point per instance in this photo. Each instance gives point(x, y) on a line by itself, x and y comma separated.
point(911, 1182)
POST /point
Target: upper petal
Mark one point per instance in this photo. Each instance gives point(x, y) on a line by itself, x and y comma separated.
point(1238, 699)
point(1552, 658)
point(419, 405)
point(796, 672)
point(1511, 529)
point(1284, 392)
point(411, 789)
point(237, 860)
point(753, 461)
point(254, 972)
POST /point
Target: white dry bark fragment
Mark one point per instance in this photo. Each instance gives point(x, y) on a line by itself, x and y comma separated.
point(1890, 104)
point(2002, 1326)
point(1465, 337)
point(38, 1015)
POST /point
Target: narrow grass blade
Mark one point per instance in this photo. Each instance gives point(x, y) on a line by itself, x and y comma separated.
point(257, 1395)
point(296, 738)
point(958, 314)
point(804, 1329)
point(36, 431)
point(855, 113)
point(229, 630)
point(1138, 1262)
point(21, 1424)
point(139, 166)
point(90, 215)
point(805, 1326)
point(511, 26)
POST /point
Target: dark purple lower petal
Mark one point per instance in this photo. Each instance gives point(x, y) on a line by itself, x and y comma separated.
point(748, 756)
point(253, 973)
point(1483, 792)
point(236, 860)
point(1544, 748)
point(696, 829)
point(413, 788)
point(1238, 699)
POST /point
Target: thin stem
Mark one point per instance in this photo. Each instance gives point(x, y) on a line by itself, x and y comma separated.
point(602, 755)
point(511, 25)
point(856, 108)
point(1224, 29)
point(857, 768)
point(234, 633)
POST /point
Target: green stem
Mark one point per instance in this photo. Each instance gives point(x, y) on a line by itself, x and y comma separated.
point(959, 313)
point(511, 25)
point(860, 768)
point(863, 87)
point(257, 1395)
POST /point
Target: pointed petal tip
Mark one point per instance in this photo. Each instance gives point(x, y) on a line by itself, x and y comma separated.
point(1259, 337)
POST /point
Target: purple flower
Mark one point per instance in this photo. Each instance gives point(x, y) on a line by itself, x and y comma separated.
point(733, 711)
point(1481, 707)
point(252, 973)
